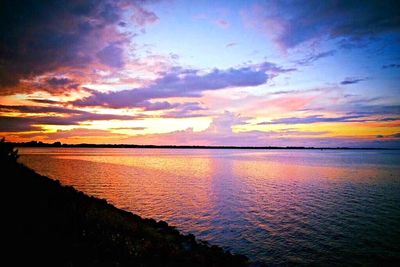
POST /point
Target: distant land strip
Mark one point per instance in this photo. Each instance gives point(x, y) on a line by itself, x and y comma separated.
point(59, 144)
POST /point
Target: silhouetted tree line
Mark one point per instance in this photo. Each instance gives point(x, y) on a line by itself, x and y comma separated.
point(59, 144)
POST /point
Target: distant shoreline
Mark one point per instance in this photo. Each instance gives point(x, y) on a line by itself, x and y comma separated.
point(84, 145)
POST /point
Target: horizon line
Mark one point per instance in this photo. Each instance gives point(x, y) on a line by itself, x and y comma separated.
point(91, 145)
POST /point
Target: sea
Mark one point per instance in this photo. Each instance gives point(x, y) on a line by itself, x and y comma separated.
point(279, 206)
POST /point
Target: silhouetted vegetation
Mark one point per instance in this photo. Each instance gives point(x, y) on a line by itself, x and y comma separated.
point(59, 144)
point(51, 224)
point(7, 152)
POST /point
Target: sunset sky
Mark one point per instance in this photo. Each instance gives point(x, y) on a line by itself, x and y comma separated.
point(258, 73)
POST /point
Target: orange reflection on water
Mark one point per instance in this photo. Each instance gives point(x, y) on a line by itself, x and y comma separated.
point(148, 185)
point(258, 203)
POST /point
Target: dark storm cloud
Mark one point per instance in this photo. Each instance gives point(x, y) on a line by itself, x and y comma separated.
point(41, 36)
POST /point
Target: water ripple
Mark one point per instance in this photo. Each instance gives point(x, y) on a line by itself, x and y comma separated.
point(282, 207)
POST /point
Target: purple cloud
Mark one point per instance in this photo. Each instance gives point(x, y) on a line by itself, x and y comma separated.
point(231, 44)
point(40, 109)
point(393, 136)
point(45, 101)
point(16, 124)
point(220, 133)
point(222, 23)
point(54, 81)
point(273, 68)
point(112, 56)
point(314, 119)
point(312, 58)
point(396, 135)
point(352, 80)
point(74, 133)
point(38, 37)
point(389, 119)
point(181, 83)
point(142, 16)
point(161, 105)
point(365, 107)
point(65, 116)
point(391, 66)
point(129, 128)
point(186, 110)
point(291, 23)
point(74, 114)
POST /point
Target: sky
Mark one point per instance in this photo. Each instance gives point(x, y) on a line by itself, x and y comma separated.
point(174, 72)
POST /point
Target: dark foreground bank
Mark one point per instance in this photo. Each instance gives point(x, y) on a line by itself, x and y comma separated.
point(51, 224)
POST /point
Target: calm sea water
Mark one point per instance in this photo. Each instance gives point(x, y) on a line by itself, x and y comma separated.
point(331, 207)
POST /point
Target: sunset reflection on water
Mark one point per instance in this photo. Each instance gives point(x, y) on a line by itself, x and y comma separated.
point(278, 206)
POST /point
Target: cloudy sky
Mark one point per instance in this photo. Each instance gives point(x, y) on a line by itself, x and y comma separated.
point(279, 73)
